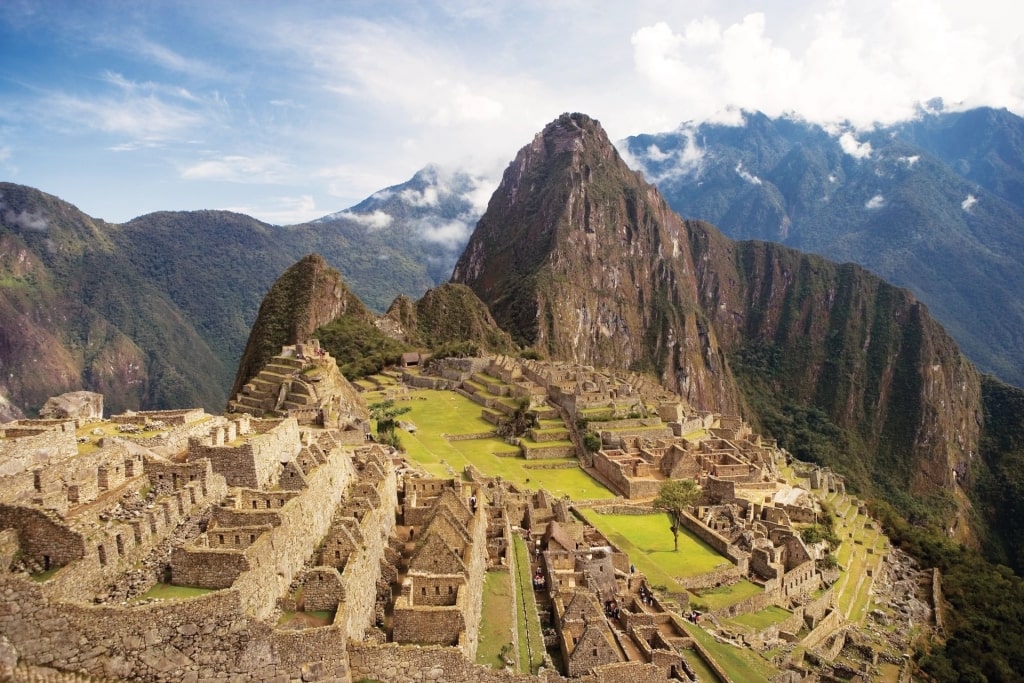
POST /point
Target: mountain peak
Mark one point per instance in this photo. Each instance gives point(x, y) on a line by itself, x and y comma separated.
point(572, 250)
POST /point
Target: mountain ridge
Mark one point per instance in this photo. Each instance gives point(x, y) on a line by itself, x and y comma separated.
point(580, 257)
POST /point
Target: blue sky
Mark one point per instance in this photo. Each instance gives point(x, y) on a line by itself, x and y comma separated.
point(289, 111)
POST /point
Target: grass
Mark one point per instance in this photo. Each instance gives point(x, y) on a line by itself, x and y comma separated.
point(45, 575)
point(762, 619)
point(445, 412)
point(166, 591)
point(742, 666)
point(531, 642)
point(723, 596)
point(496, 627)
point(700, 667)
point(648, 542)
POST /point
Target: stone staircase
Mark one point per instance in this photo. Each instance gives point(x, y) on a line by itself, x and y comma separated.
point(278, 389)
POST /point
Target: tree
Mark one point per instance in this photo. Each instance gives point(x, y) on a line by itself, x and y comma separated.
point(385, 413)
point(674, 497)
point(521, 420)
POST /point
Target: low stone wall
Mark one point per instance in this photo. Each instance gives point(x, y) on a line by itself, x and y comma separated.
point(725, 576)
point(202, 638)
point(541, 452)
point(752, 604)
point(715, 540)
point(392, 663)
point(428, 382)
point(22, 448)
point(828, 625)
point(469, 437)
point(618, 509)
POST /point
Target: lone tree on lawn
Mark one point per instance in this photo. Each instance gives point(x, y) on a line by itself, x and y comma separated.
point(674, 496)
point(385, 413)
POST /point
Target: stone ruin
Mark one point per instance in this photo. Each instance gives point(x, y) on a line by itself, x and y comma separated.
point(276, 517)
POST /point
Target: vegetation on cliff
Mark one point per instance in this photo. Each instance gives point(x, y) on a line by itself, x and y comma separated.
point(308, 295)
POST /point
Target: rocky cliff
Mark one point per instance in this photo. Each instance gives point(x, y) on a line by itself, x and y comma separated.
point(577, 256)
point(581, 258)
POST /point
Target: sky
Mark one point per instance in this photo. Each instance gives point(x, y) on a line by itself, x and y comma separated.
point(289, 111)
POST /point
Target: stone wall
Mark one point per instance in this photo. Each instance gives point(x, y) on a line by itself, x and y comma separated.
point(394, 663)
point(827, 625)
point(256, 463)
point(363, 566)
point(25, 447)
point(280, 553)
point(43, 538)
point(202, 638)
point(8, 548)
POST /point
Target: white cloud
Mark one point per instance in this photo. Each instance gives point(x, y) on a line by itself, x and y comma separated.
point(375, 220)
point(969, 203)
point(688, 159)
point(449, 234)
point(910, 161)
point(876, 202)
point(421, 198)
point(27, 219)
point(863, 62)
point(237, 168)
point(283, 210)
point(746, 175)
point(850, 145)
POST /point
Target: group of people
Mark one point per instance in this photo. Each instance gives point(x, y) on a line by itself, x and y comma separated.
point(646, 597)
point(611, 609)
point(538, 580)
point(694, 616)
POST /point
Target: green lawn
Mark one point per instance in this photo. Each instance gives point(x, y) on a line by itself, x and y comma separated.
point(741, 665)
point(723, 596)
point(762, 619)
point(165, 591)
point(531, 641)
point(648, 542)
point(445, 412)
point(497, 624)
point(700, 667)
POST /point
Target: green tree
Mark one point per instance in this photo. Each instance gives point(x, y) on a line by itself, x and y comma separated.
point(674, 497)
point(520, 422)
point(385, 413)
point(592, 441)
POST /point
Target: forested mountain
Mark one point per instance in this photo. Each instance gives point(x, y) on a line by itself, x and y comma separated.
point(155, 312)
point(582, 259)
point(935, 205)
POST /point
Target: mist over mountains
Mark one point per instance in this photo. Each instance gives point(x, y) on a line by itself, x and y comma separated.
point(934, 205)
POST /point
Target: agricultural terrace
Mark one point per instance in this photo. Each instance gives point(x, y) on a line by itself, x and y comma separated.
point(439, 414)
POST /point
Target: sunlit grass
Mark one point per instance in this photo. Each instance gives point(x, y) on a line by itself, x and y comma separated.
point(166, 591)
point(762, 619)
point(496, 627)
point(531, 641)
point(741, 665)
point(444, 412)
point(648, 542)
point(724, 596)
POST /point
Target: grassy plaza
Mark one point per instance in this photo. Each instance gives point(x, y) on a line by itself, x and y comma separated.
point(437, 414)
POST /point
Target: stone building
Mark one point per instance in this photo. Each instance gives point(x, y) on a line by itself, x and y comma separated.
point(441, 593)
